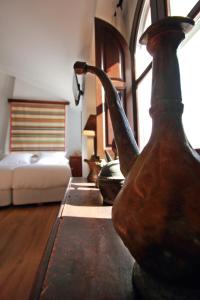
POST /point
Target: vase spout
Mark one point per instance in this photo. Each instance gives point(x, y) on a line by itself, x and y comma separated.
point(123, 134)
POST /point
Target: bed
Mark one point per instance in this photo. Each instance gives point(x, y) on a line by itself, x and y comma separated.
point(27, 178)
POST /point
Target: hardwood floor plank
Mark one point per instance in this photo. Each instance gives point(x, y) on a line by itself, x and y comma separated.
point(24, 232)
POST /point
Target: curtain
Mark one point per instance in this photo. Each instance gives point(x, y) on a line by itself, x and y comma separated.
point(37, 126)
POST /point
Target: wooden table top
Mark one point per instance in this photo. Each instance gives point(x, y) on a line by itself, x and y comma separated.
point(88, 260)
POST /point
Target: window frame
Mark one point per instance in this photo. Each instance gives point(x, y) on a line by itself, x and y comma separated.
point(121, 83)
point(159, 9)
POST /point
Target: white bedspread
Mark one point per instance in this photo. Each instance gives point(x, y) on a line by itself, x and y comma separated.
point(8, 164)
point(17, 171)
point(6, 175)
point(41, 175)
point(15, 160)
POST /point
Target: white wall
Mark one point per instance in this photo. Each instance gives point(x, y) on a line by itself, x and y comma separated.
point(105, 10)
point(25, 90)
point(88, 106)
point(74, 136)
point(128, 16)
point(41, 40)
point(6, 92)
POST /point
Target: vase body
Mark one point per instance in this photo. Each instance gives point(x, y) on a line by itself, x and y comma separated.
point(94, 164)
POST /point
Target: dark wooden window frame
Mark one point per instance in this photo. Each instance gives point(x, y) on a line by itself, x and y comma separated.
point(101, 25)
point(159, 10)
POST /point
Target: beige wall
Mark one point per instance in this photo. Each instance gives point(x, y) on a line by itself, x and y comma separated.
point(128, 16)
point(88, 106)
point(105, 10)
point(124, 18)
point(6, 92)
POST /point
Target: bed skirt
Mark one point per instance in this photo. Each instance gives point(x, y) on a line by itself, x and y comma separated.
point(5, 197)
point(31, 196)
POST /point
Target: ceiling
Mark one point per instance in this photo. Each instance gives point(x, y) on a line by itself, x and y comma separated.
point(41, 39)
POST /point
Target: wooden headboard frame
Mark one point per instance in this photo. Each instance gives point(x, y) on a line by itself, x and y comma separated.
point(39, 101)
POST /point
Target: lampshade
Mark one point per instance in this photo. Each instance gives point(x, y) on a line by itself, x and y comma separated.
point(90, 126)
point(90, 131)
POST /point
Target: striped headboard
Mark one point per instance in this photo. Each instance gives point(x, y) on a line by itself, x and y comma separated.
point(37, 126)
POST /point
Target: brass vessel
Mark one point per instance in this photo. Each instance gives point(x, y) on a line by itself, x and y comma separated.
point(110, 180)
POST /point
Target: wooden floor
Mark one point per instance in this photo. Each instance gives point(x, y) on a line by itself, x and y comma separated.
point(24, 232)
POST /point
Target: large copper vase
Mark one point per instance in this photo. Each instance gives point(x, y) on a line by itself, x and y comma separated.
point(157, 212)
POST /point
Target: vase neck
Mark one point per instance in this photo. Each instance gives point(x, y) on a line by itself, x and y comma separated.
point(166, 88)
point(162, 40)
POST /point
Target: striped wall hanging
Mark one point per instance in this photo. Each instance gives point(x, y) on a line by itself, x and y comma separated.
point(37, 126)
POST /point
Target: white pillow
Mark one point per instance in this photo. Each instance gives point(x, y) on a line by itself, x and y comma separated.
point(17, 158)
point(57, 154)
point(53, 158)
point(35, 158)
point(47, 156)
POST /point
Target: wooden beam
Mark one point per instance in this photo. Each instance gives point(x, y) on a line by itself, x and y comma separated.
point(39, 101)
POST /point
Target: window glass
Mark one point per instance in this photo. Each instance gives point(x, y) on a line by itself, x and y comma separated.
point(142, 57)
point(189, 62)
point(143, 104)
point(181, 7)
point(188, 54)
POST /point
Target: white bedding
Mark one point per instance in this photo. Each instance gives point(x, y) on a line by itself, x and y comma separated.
point(19, 171)
point(8, 164)
point(42, 174)
point(15, 160)
point(6, 178)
